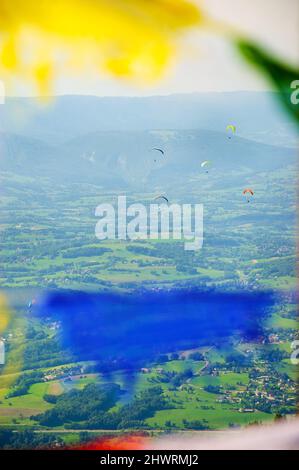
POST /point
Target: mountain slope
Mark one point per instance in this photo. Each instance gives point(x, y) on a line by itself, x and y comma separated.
point(113, 157)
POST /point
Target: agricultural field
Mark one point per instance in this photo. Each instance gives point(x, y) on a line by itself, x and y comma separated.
point(48, 243)
point(211, 386)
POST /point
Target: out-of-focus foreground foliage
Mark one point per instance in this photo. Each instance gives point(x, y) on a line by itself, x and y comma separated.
point(282, 75)
point(133, 39)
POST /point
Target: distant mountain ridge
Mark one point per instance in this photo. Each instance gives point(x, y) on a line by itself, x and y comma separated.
point(129, 158)
point(257, 115)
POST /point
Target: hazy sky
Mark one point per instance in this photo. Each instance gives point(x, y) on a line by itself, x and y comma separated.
point(208, 62)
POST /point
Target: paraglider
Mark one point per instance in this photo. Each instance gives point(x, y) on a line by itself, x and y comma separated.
point(161, 197)
point(157, 149)
point(231, 128)
point(248, 193)
point(206, 165)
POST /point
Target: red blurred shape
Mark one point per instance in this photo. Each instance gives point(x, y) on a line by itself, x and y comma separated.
point(130, 442)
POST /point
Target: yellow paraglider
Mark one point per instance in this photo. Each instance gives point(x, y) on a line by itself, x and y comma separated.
point(231, 128)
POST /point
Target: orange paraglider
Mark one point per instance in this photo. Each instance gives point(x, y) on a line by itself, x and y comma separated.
point(248, 193)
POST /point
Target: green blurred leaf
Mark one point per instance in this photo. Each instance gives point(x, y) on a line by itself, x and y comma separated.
point(284, 77)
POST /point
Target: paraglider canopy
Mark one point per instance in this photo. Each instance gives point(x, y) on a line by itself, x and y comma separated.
point(159, 150)
point(206, 165)
point(248, 193)
point(248, 190)
point(161, 197)
point(231, 128)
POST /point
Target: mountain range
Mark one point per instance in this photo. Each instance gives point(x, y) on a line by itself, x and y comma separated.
point(111, 140)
